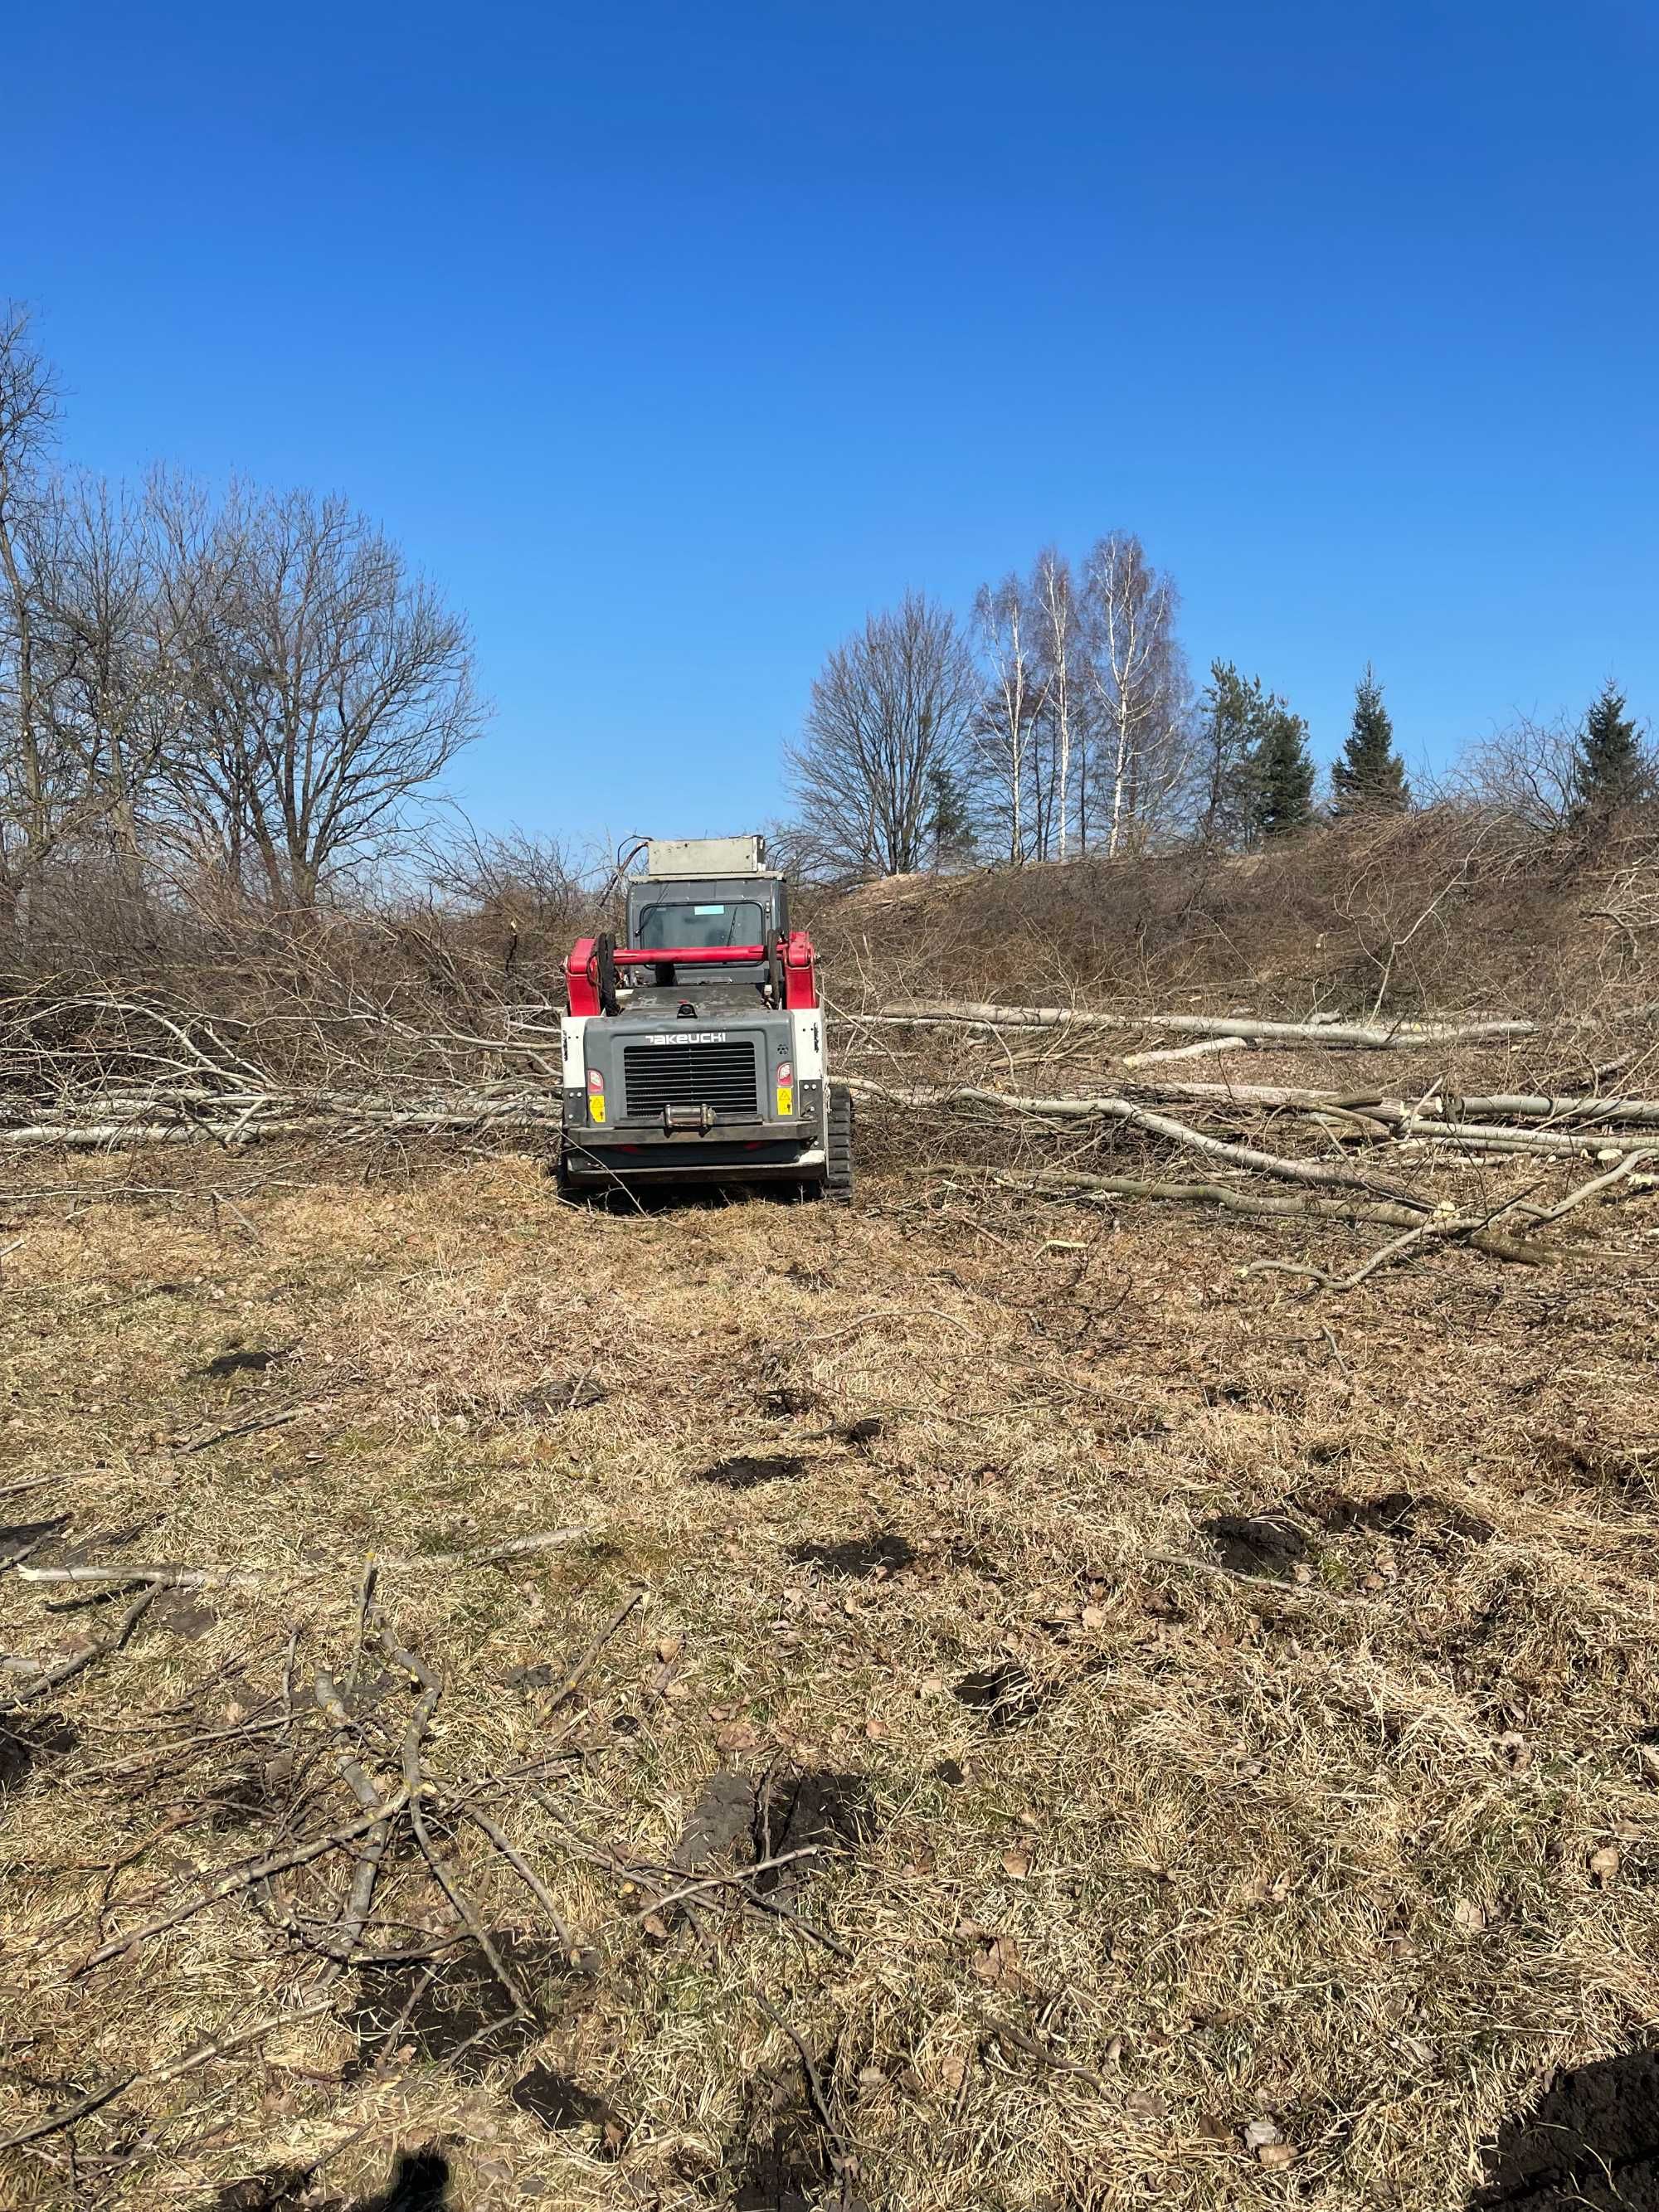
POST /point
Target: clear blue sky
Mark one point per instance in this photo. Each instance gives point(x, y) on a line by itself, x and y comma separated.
point(670, 338)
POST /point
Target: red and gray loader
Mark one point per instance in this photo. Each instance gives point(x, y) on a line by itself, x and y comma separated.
point(694, 1048)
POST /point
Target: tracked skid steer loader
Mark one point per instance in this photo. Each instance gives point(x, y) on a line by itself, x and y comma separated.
point(695, 1049)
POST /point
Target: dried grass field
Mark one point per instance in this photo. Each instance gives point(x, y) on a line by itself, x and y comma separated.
point(1008, 1708)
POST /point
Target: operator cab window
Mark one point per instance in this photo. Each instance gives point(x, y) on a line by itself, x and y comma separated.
point(695, 924)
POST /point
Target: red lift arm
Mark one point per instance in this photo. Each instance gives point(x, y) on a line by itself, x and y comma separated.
point(801, 985)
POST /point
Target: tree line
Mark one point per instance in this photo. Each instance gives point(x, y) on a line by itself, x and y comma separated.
point(252, 697)
point(248, 690)
point(1060, 720)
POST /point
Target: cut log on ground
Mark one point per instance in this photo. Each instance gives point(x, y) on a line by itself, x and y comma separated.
point(1565, 1112)
point(1200, 1050)
point(1322, 1173)
point(1370, 1036)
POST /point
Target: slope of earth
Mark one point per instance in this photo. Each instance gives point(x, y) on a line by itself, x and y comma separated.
point(1203, 1735)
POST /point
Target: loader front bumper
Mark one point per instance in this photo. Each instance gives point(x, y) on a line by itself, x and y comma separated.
point(595, 1158)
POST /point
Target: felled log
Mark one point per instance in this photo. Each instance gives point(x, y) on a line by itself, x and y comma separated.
point(1370, 1036)
point(1566, 1110)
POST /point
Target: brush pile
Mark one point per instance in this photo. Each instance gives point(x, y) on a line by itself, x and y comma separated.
point(1422, 1158)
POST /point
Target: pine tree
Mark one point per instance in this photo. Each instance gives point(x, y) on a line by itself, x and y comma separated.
point(1369, 775)
point(1282, 771)
point(1608, 770)
point(1229, 710)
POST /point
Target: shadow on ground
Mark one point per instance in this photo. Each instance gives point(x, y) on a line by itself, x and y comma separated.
point(1591, 2143)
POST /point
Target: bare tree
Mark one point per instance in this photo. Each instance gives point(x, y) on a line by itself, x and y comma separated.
point(1137, 683)
point(1523, 774)
point(1004, 730)
point(29, 412)
point(330, 687)
point(890, 713)
point(113, 633)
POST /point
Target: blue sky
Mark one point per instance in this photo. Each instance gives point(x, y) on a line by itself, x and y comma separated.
point(671, 338)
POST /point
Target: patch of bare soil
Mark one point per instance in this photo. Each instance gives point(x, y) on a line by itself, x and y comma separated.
point(420, 2182)
point(885, 1553)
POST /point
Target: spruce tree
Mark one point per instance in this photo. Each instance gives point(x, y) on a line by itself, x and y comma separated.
point(1608, 770)
point(1368, 775)
point(1282, 771)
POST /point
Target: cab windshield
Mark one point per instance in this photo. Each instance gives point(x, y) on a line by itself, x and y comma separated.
point(696, 924)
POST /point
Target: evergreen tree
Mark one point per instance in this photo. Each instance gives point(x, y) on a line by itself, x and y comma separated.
point(1228, 711)
point(1282, 771)
point(949, 825)
point(1608, 770)
point(1368, 775)
point(1258, 776)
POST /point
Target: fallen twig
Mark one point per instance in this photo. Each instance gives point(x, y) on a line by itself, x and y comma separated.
point(362, 1898)
point(575, 1676)
point(163, 1577)
point(53, 1678)
point(84, 2107)
point(525, 1873)
point(247, 1428)
point(414, 1787)
point(239, 1877)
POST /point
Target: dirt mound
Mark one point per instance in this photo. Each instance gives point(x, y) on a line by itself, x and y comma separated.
point(419, 2182)
point(1264, 1544)
point(455, 2014)
point(1004, 1693)
point(23, 1742)
point(558, 2100)
point(737, 1821)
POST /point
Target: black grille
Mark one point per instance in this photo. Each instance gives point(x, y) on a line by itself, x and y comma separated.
point(718, 1075)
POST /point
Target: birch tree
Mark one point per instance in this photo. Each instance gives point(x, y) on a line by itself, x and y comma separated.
point(1060, 632)
point(1013, 700)
point(1137, 685)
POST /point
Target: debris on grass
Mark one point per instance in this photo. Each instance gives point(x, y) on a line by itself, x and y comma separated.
point(251, 1361)
point(1036, 1788)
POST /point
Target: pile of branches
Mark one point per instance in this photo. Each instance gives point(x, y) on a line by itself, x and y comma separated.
point(105, 1072)
point(102, 1071)
point(343, 1781)
point(1365, 1155)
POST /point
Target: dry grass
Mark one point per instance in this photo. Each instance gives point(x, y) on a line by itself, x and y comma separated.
point(1319, 1849)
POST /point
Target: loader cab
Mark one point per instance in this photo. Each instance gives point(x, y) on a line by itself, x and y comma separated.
point(735, 910)
point(683, 900)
